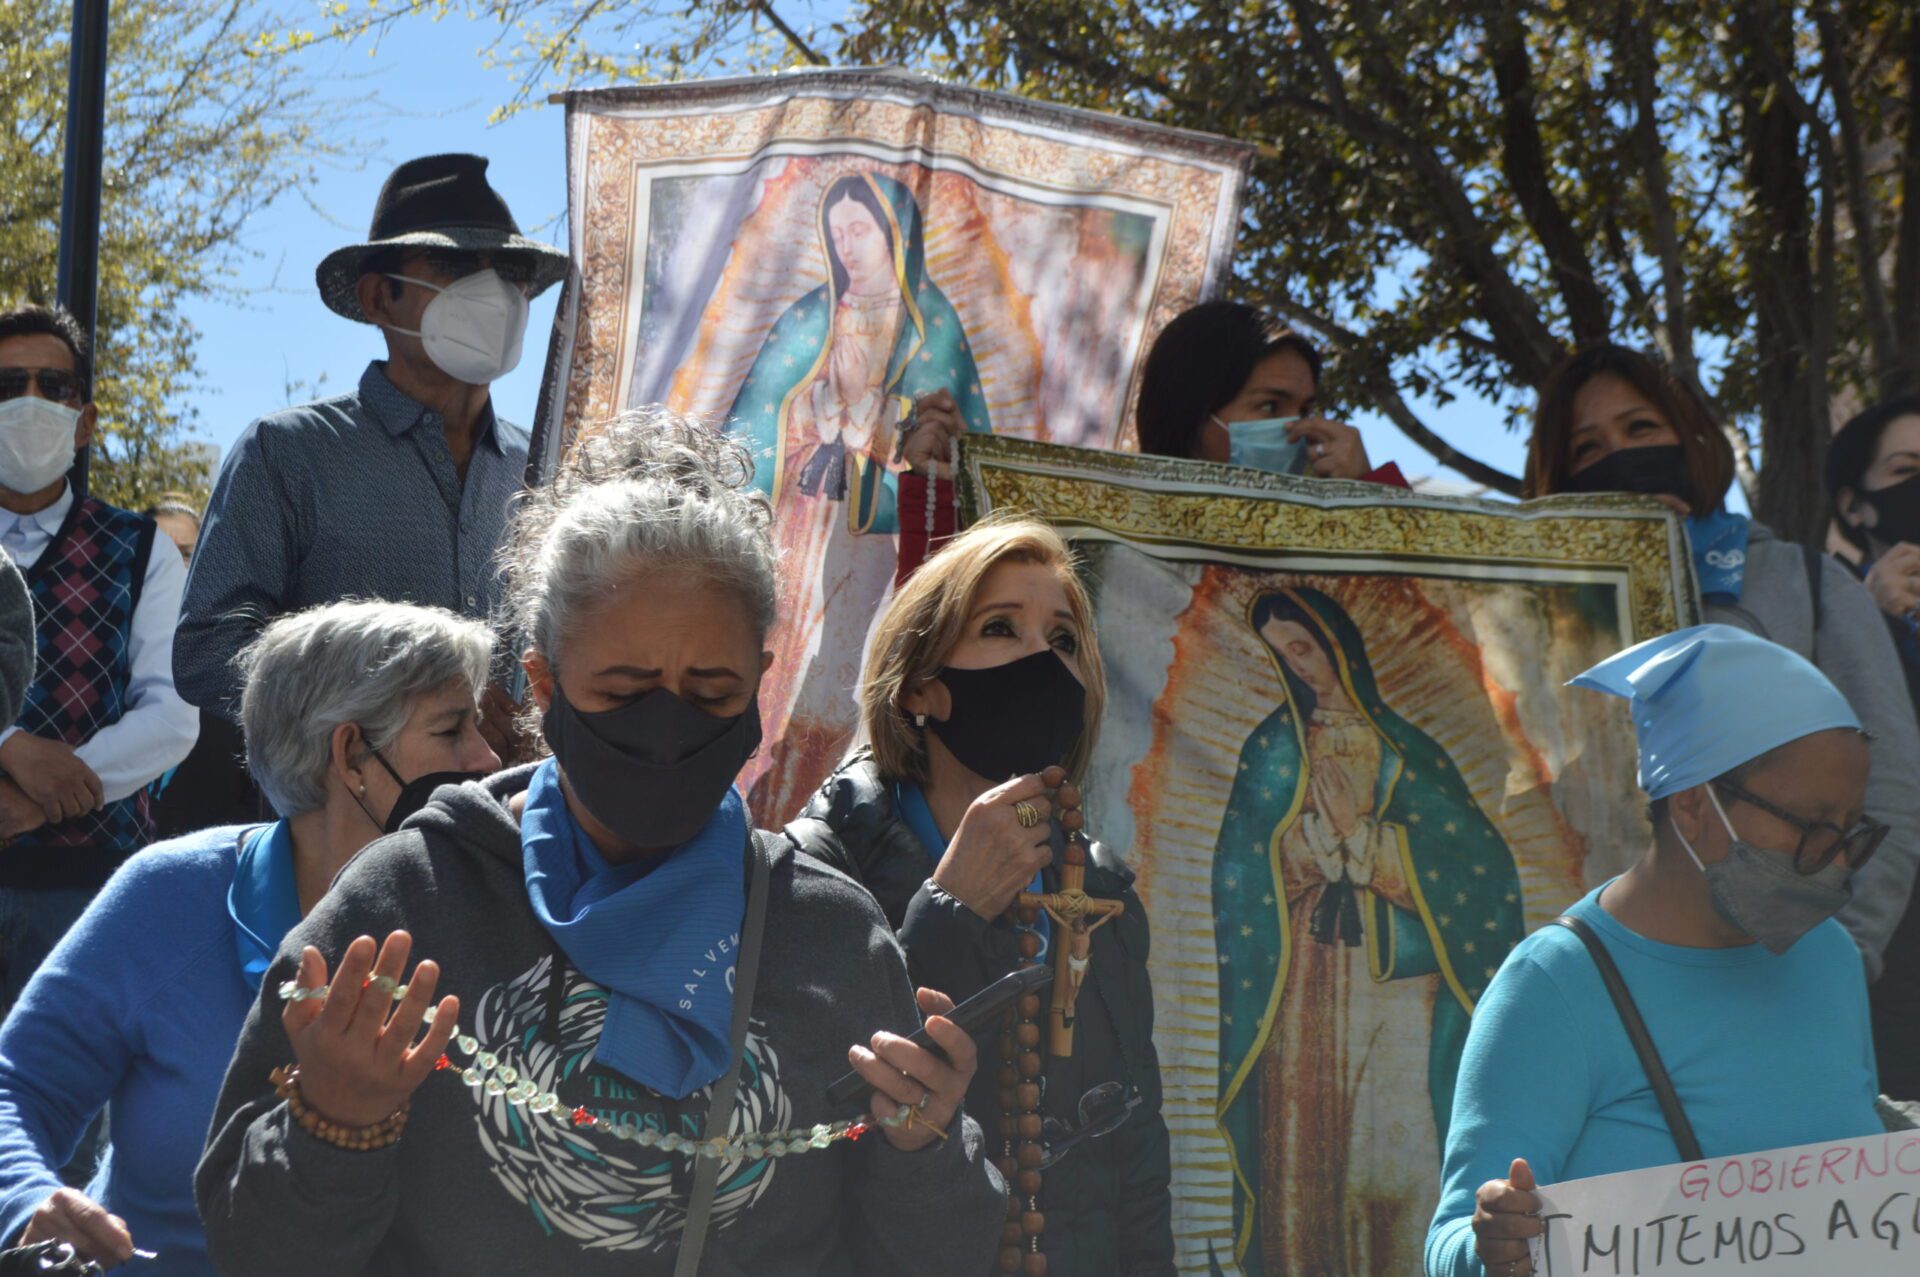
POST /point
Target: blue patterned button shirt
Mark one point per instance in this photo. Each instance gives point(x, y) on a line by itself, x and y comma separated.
point(350, 497)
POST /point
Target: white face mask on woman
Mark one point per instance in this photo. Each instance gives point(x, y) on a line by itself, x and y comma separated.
point(473, 329)
point(36, 442)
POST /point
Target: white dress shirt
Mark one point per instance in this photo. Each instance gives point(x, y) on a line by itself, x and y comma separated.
point(157, 728)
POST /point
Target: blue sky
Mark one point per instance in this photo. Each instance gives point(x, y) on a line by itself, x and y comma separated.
point(439, 94)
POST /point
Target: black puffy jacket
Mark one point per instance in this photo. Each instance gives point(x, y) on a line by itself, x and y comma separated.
point(1107, 1204)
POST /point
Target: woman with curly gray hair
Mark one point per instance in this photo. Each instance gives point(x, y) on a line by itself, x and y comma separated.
point(141, 1002)
point(635, 1003)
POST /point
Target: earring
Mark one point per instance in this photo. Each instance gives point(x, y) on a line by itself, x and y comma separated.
point(919, 720)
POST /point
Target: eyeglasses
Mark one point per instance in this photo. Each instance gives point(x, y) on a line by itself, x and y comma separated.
point(1821, 841)
point(56, 384)
point(1103, 1110)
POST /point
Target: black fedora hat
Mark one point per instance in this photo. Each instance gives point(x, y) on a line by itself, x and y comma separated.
point(443, 202)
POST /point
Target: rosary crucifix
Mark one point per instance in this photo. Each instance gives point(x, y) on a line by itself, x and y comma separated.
point(1078, 916)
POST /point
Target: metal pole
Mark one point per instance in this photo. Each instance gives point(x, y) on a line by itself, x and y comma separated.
point(77, 286)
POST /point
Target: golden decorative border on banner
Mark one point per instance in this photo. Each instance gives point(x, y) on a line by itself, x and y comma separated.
point(615, 144)
point(1201, 510)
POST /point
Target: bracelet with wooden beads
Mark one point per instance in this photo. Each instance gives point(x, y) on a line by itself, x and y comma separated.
point(361, 1139)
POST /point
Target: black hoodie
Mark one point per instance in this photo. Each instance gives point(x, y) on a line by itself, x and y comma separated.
point(480, 1186)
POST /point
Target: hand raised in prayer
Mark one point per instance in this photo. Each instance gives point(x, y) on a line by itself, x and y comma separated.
point(937, 423)
point(1506, 1215)
point(992, 855)
point(52, 775)
point(358, 1061)
point(847, 372)
point(1333, 798)
point(1894, 580)
point(903, 1073)
point(69, 1215)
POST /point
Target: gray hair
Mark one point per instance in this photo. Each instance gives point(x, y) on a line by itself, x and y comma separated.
point(354, 662)
point(650, 490)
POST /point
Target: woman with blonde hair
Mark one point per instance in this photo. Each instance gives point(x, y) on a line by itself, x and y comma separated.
point(981, 699)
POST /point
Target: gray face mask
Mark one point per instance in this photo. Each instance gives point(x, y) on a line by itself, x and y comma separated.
point(1762, 894)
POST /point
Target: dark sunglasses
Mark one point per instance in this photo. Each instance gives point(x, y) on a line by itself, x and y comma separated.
point(1821, 841)
point(1103, 1110)
point(56, 384)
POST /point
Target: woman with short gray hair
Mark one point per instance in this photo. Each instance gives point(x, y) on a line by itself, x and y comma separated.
point(650, 1000)
point(141, 1002)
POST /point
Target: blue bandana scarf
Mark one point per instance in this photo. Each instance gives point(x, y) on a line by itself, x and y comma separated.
point(1719, 542)
point(264, 900)
point(660, 936)
point(912, 805)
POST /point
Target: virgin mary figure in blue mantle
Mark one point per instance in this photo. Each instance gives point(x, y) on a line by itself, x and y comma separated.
point(826, 398)
point(1362, 901)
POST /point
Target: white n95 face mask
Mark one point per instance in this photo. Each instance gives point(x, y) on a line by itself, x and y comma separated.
point(36, 442)
point(473, 329)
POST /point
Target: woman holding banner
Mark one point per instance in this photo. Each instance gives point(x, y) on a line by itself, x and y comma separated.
point(1615, 420)
point(1722, 935)
point(983, 667)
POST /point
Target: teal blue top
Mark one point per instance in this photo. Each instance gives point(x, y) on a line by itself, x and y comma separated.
point(1765, 1052)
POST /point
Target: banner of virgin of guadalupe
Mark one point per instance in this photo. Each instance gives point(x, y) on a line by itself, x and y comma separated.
point(1339, 754)
point(799, 258)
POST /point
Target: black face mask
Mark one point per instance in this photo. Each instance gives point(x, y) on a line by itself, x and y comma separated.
point(1656, 471)
point(653, 771)
point(1899, 509)
point(1014, 719)
point(415, 793)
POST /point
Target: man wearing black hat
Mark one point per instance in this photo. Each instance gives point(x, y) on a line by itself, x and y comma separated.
point(399, 488)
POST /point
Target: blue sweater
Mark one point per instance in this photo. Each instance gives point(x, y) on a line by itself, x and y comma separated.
point(1765, 1052)
point(139, 1005)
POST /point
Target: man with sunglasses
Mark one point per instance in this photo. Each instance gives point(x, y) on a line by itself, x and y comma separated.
point(399, 488)
point(102, 719)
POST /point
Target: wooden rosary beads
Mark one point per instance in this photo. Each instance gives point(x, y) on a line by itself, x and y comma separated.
point(1021, 1064)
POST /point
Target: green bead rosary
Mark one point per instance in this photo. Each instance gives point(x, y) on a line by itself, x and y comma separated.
point(488, 1073)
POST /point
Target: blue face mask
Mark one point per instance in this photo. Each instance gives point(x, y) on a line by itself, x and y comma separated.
point(1263, 445)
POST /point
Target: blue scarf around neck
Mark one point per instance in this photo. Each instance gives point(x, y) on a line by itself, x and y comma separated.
point(1719, 543)
point(661, 936)
point(264, 899)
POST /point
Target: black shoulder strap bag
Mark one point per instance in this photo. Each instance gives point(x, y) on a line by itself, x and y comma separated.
point(1683, 1136)
point(706, 1175)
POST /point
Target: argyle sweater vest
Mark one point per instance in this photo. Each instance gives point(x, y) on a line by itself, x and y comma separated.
point(85, 588)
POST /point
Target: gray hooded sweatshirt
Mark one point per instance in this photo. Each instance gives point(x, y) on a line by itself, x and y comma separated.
point(1853, 650)
point(477, 1185)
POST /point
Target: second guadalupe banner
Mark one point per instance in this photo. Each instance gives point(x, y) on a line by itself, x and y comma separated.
point(1340, 755)
point(800, 257)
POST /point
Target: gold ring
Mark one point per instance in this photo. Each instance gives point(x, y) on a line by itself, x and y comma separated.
point(1027, 814)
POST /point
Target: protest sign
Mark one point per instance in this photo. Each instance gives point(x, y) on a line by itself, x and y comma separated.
point(1811, 1211)
point(1285, 656)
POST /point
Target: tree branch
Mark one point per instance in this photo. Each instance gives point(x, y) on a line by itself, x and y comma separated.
point(1361, 360)
point(800, 46)
point(1635, 41)
point(1860, 210)
point(1523, 161)
point(1906, 262)
point(1527, 345)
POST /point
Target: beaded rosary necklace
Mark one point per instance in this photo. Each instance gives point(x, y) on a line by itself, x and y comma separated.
point(1021, 1061)
point(933, 490)
point(489, 1074)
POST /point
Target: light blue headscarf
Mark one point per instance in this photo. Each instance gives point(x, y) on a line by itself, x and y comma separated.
point(1710, 698)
